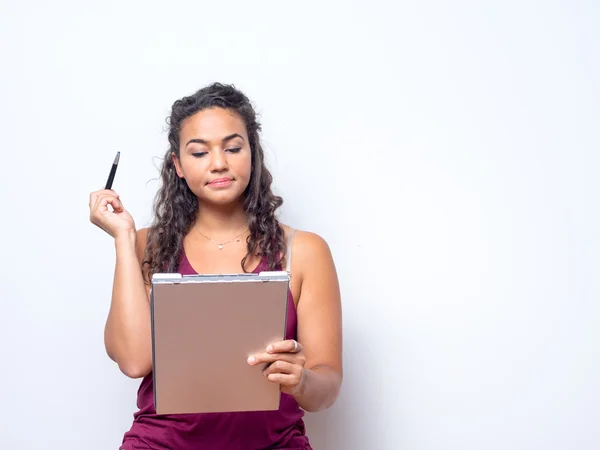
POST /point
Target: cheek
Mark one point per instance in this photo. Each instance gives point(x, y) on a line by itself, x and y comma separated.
point(244, 166)
point(194, 170)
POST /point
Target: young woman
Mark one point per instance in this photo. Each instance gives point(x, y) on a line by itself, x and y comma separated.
point(215, 213)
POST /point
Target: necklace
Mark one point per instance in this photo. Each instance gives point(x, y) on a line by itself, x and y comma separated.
point(221, 244)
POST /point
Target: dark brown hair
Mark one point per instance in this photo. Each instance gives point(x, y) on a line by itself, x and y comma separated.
point(176, 206)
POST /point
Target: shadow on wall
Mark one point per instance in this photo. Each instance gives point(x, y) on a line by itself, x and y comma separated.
point(343, 425)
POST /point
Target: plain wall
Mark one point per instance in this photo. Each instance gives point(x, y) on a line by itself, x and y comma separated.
point(447, 152)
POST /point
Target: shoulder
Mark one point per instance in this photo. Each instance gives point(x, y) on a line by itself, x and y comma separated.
point(305, 239)
point(308, 248)
point(314, 274)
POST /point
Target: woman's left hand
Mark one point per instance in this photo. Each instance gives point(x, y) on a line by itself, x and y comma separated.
point(285, 361)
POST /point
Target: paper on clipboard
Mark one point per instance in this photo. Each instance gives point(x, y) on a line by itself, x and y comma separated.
point(204, 327)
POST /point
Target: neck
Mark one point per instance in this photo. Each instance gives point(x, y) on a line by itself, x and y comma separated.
point(219, 221)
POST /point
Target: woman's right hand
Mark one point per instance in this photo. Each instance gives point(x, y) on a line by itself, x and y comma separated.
point(114, 222)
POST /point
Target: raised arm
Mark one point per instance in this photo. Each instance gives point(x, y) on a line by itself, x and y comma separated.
point(127, 334)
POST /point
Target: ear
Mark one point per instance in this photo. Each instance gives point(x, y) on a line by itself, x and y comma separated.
point(177, 165)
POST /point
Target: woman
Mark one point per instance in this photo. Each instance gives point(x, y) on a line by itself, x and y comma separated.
point(215, 213)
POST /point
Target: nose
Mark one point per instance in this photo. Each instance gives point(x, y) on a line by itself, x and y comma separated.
point(218, 162)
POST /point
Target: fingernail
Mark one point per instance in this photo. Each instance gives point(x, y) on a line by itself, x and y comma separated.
point(251, 360)
point(270, 348)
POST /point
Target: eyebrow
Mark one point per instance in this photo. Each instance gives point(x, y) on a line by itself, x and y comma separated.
point(225, 139)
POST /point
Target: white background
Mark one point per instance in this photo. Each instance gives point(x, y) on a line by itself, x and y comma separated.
point(447, 151)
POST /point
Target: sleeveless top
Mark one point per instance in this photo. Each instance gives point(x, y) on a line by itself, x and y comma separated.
point(255, 430)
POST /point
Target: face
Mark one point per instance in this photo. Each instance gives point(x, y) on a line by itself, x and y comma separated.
point(214, 156)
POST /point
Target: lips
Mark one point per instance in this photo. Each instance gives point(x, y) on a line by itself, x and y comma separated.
point(220, 182)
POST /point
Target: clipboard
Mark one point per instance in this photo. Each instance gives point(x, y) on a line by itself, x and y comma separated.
point(204, 328)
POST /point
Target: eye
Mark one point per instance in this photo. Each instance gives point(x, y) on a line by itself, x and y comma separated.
point(233, 150)
point(199, 154)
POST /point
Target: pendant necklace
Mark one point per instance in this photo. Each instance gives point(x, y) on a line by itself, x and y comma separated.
point(221, 244)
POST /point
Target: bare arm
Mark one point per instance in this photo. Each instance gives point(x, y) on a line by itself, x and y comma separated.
point(319, 323)
point(127, 335)
point(311, 368)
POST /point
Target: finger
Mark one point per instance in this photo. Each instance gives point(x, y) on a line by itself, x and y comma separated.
point(262, 358)
point(112, 201)
point(107, 192)
point(288, 346)
point(286, 380)
point(94, 195)
point(105, 200)
point(281, 367)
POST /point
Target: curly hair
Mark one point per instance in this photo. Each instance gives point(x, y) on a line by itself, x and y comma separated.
point(175, 205)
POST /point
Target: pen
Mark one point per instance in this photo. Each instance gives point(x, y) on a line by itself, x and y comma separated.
point(113, 170)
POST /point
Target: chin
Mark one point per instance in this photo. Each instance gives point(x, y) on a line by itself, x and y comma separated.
point(222, 199)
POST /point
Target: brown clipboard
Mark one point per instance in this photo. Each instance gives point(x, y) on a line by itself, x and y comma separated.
point(204, 327)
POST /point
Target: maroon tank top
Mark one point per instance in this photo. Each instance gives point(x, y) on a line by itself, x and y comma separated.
point(257, 430)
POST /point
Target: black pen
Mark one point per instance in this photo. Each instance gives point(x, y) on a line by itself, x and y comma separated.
point(113, 170)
